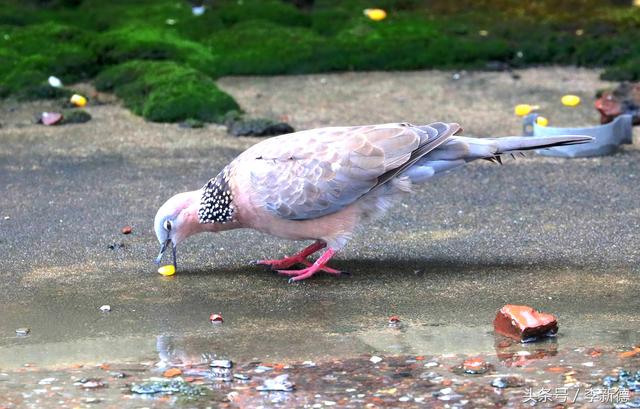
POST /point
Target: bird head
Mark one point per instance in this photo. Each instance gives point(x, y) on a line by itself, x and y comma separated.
point(176, 220)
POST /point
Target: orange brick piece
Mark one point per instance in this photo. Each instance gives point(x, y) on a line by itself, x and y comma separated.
point(523, 323)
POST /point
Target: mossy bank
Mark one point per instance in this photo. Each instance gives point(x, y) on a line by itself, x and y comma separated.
point(162, 60)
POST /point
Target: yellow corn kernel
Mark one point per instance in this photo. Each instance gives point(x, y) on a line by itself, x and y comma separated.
point(78, 100)
point(167, 270)
point(570, 100)
point(375, 14)
point(524, 109)
point(542, 121)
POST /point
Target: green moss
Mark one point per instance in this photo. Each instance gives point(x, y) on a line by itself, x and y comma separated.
point(627, 71)
point(260, 47)
point(164, 91)
point(275, 11)
point(142, 42)
point(174, 53)
point(75, 116)
point(32, 53)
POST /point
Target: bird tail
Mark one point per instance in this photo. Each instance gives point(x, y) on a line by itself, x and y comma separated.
point(510, 144)
point(459, 150)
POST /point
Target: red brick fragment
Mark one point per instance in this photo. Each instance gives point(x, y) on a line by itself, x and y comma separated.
point(216, 318)
point(523, 323)
point(127, 230)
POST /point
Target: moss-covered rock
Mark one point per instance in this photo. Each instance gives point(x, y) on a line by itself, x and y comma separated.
point(33, 53)
point(164, 91)
point(75, 116)
point(626, 71)
point(148, 43)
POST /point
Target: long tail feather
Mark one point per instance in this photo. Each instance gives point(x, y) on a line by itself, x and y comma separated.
point(459, 150)
point(519, 143)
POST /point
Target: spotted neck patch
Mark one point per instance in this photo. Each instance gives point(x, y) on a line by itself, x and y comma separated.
point(216, 204)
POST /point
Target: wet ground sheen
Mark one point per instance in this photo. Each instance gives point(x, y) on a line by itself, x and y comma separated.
point(559, 235)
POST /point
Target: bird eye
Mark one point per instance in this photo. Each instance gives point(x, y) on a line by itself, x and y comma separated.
point(167, 225)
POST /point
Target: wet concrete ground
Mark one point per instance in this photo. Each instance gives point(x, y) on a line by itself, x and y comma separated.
point(560, 235)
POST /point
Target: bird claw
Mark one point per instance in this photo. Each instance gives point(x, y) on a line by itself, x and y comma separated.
point(298, 275)
point(277, 264)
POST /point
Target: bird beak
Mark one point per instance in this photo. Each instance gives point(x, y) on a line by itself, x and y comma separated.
point(163, 248)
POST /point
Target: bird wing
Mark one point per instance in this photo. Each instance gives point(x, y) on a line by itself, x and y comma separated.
point(313, 173)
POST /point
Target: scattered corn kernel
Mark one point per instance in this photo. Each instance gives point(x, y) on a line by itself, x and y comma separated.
point(542, 121)
point(78, 100)
point(570, 100)
point(524, 109)
point(167, 270)
point(375, 14)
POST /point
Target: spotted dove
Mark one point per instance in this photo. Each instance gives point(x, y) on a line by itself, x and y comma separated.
point(322, 184)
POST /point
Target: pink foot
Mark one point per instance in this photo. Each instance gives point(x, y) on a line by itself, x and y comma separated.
point(300, 258)
point(282, 263)
point(319, 265)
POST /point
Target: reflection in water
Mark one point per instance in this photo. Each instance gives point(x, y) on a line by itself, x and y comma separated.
point(515, 354)
point(174, 351)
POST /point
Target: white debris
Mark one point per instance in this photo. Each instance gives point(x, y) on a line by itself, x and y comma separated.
point(279, 383)
point(375, 359)
point(105, 308)
point(55, 82)
point(198, 10)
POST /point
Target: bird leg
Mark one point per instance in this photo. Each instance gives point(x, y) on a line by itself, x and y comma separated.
point(300, 258)
point(319, 265)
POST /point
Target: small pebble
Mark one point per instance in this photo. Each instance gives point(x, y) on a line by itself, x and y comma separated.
point(509, 381)
point(21, 332)
point(105, 308)
point(375, 359)
point(221, 363)
point(172, 372)
point(127, 230)
point(55, 82)
point(50, 118)
point(216, 318)
point(241, 377)
point(279, 383)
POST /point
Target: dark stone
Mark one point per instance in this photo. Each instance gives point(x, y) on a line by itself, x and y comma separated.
point(524, 324)
point(509, 381)
point(258, 127)
point(75, 116)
